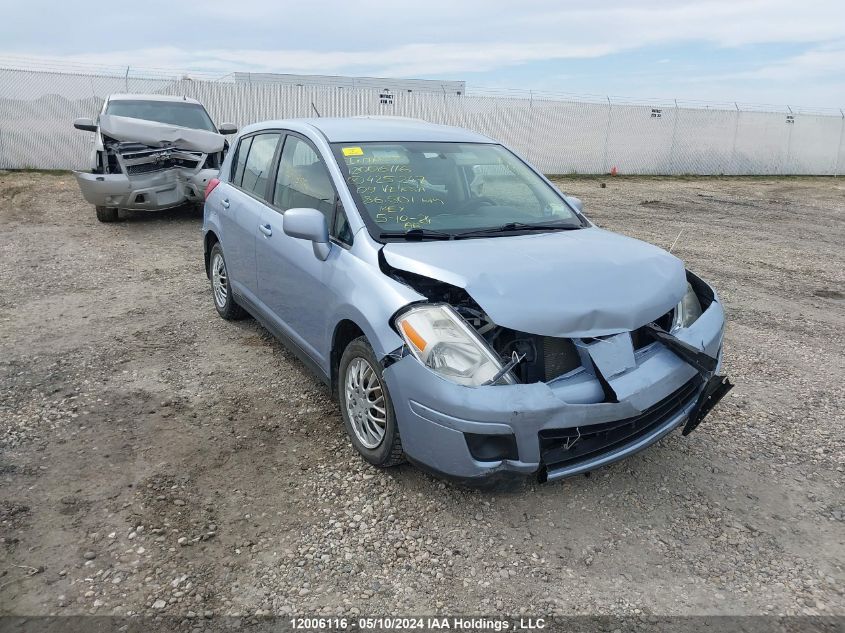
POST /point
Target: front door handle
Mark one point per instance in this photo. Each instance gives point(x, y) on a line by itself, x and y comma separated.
point(225, 203)
point(266, 229)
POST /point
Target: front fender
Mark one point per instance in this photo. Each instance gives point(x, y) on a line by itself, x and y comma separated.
point(369, 298)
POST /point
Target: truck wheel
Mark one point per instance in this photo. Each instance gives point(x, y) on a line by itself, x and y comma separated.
point(366, 406)
point(221, 290)
point(106, 214)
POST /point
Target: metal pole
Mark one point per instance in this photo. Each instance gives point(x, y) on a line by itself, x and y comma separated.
point(839, 146)
point(530, 124)
point(606, 135)
point(788, 142)
point(736, 132)
point(126, 80)
point(672, 147)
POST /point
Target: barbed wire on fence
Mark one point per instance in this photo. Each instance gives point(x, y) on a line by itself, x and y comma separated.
point(559, 133)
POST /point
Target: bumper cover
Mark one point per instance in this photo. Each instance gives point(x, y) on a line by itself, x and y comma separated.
point(435, 414)
point(145, 192)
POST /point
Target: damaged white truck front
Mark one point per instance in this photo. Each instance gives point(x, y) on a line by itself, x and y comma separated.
point(150, 163)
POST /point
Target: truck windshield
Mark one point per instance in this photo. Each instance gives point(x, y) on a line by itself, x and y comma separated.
point(183, 114)
point(448, 188)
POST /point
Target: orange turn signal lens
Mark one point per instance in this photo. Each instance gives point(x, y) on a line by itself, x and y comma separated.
point(414, 336)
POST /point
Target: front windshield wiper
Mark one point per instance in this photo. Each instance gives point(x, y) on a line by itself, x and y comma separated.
point(517, 226)
point(418, 235)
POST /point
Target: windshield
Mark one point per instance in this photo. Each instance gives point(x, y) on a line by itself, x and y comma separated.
point(178, 113)
point(448, 188)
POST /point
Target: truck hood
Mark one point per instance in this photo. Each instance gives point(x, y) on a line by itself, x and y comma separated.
point(154, 134)
point(587, 282)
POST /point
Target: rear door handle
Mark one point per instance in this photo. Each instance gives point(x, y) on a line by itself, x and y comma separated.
point(266, 229)
point(225, 203)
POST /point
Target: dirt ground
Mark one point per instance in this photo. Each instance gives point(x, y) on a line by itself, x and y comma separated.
point(155, 459)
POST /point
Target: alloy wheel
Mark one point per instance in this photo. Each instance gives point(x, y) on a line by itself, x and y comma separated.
point(365, 403)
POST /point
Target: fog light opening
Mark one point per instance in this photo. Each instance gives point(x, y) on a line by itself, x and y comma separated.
point(491, 448)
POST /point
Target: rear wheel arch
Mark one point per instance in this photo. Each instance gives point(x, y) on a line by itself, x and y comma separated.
point(209, 241)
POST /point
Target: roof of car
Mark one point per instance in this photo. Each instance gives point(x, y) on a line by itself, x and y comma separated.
point(377, 129)
point(142, 97)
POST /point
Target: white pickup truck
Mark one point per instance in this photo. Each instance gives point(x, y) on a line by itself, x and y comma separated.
point(150, 152)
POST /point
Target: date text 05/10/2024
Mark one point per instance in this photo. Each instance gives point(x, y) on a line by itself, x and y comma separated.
point(418, 623)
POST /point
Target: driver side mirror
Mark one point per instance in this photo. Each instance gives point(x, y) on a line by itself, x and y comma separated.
point(227, 128)
point(308, 224)
point(575, 203)
point(85, 124)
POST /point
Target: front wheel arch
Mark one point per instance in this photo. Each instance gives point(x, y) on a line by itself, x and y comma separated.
point(345, 332)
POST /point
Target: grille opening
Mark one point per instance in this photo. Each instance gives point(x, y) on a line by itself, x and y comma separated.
point(566, 446)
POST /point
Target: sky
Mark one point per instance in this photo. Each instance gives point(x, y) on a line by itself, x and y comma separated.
point(748, 51)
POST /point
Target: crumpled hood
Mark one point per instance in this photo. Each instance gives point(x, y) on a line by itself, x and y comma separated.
point(588, 282)
point(153, 134)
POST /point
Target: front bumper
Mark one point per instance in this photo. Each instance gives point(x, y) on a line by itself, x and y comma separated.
point(545, 420)
point(155, 191)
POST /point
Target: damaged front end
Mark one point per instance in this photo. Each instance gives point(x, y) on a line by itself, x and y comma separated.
point(150, 166)
point(573, 403)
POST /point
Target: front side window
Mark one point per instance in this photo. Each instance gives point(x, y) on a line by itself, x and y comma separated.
point(447, 187)
point(258, 163)
point(179, 113)
point(303, 180)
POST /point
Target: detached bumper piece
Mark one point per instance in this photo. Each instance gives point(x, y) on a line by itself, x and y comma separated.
point(569, 451)
point(713, 391)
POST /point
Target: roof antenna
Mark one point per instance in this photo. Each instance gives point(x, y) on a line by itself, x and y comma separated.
point(676, 240)
point(313, 107)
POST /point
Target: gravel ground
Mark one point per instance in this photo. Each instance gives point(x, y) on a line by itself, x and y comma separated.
point(155, 459)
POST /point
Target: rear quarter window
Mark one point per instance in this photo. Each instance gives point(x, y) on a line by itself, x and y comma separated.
point(239, 161)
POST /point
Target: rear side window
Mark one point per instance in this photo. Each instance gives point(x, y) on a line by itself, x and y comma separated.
point(303, 180)
point(258, 163)
point(240, 160)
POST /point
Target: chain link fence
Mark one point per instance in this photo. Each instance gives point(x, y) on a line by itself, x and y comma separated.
point(558, 135)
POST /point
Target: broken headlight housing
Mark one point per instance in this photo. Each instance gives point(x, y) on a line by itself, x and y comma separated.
point(688, 310)
point(442, 341)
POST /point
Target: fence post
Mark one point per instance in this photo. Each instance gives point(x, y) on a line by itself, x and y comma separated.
point(671, 169)
point(606, 135)
point(736, 132)
point(839, 145)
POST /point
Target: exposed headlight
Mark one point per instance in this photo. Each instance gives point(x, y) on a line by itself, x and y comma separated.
point(445, 343)
point(688, 310)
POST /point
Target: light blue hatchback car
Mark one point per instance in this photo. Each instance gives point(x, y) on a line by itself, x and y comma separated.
point(465, 313)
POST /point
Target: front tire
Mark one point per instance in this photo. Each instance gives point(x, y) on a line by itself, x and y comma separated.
point(106, 214)
point(366, 406)
point(221, 291)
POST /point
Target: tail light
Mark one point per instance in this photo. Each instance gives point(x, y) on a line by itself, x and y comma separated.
point(210, 187)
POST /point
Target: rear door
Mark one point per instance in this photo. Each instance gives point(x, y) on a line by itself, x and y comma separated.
point(242, 205)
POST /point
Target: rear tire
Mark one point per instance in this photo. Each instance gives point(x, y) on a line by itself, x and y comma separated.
point(366, 406)
point(221, 290)
point(106, 214)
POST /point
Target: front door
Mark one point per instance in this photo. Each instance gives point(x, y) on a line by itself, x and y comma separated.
point(292, 282)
